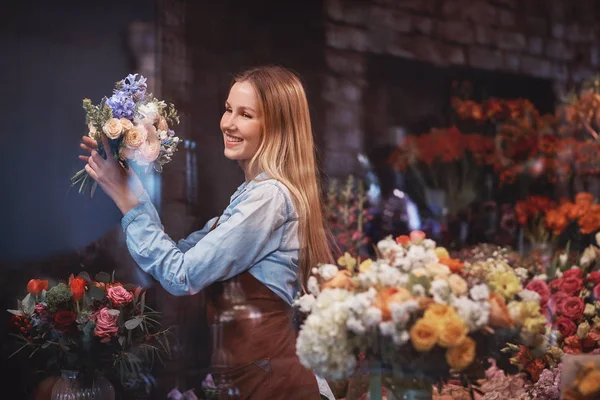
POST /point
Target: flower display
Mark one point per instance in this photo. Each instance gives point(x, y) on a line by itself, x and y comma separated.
point(138, 126)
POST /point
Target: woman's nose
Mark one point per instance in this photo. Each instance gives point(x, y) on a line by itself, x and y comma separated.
point(228, 123)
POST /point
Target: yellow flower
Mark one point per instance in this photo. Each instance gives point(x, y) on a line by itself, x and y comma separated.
point(347, 261)
point(439, 313)
point(505, 283)
point(452, 332)
point(365, 265)
point(461, 356)
point(536, 325)
point(441, 252)
point(423, 335)
point(458, 285)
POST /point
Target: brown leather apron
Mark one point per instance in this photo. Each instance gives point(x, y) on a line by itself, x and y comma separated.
point(260, 352)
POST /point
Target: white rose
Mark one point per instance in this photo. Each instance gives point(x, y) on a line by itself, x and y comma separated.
point(149, 111)
point(113, 128)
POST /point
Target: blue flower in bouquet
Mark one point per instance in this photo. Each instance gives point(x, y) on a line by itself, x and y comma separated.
point(132, 86)
point(122, 105)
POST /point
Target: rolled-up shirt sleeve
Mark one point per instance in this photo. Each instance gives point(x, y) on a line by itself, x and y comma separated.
point(235, 245)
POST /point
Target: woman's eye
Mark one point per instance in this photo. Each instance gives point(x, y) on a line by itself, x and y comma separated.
point(227, 109)
point(246, 115)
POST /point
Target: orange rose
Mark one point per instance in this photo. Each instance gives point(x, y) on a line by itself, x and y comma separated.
point(584, 199)
point(499, 314)
point(387, 296)
point(341, 280)
point(36, 286)
point(454, 264)
point(439, 313)
point(403, 239)
point(590, 221)
point(423, 335)
point(461, 356)
point(77, 286)
point(452, 332)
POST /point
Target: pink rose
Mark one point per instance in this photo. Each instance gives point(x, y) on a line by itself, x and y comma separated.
point(571, 285)
point(565, 326)
point(555, 285)
point(106, 324)
point(540, 288)
point(596, 291)
point(594, 277)
point(119, 296)
point(555, 301)
point(572, 308)
point(573, 273)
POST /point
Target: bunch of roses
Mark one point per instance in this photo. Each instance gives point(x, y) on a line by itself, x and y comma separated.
point(583, 211)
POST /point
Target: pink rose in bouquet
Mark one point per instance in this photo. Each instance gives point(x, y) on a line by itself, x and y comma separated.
point(106, 324)
point(119, 296)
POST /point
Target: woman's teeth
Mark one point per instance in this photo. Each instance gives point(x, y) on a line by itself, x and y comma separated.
point(233, 139)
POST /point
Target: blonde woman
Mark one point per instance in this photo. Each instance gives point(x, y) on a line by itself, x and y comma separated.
point(267, 239)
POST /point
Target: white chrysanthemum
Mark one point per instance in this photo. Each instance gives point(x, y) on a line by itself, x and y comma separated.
point(521, 273)
point(356, 326)
point(313, 286)
point(388, 328)
point(480, 292)
point(429, 244)
point(544, 277)
point(387, 246)
point(475, 314)
point(389, 276)
point(306, 302)
point(402, 312)
point(372, 316)
point(418, 290)
point(322, 343)
point(403, 263)
point(529, 295)
point(327, 271)
point(440, 291)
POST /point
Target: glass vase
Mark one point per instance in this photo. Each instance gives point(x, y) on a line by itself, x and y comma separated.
point(71, 387)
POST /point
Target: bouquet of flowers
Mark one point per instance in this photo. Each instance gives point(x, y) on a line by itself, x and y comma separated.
point(414, 308)
point(91, 326)
point(138, 127)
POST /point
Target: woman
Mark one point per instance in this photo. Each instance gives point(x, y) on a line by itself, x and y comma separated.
point(267, 239)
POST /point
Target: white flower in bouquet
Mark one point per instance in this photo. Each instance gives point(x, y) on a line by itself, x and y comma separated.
point(480, 292)
point(522, 274)
point(440, 291)
point(372, 317)
point(327, 271)
point(429, 244)
point(418, 290)
point(306, 303)
point(92, 130)
point(388, 328)
point(402, 312)
point(149, 112)
point(475, 314)
point(388, 246)
point(356, 326)
point(150, 149)
point(113, 128)
point(313, 286)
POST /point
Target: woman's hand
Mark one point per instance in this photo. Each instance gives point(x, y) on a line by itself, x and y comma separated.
point(122, 186)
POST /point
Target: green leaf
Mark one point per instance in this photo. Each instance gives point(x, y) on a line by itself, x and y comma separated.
point(103, 277)
point(133, 323)
point(47, 344)
point(85, 276)
point(122, 341)
point(95, 292)
point(143, 302)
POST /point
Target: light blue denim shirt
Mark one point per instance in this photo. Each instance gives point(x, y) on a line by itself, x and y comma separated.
point(258, 232)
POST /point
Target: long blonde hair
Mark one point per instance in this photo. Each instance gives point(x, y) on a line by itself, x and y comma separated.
point(287, 154)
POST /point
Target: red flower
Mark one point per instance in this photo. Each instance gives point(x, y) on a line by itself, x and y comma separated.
point(555, 285)
point(573, 272)
point(588, 344)
point(77, 286)
point(535, 368)
point(571, 285)
point(35, 286)
point(417, 236)
point(565, 326)
point(572, 345)
point(594, 277)
point(64, 320)
point(572, 308)
point(402, 240)
point(540, 288)
point(596, 291)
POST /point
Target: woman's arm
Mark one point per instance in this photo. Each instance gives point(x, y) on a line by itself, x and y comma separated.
point(233, 247)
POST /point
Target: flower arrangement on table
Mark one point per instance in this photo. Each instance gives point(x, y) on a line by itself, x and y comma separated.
point(91, 326)
point(137, 125)
point(414, 309)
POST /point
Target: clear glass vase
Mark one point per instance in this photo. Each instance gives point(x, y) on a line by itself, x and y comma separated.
point(373, 381)
point(71, 387)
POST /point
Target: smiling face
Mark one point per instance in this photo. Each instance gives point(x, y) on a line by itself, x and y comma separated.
point(241, 123)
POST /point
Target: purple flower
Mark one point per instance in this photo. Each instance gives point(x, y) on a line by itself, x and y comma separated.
point(130, 86)
point(548, 386)
point(122, 105)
